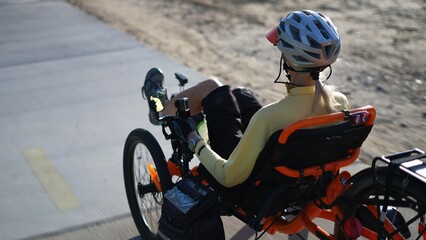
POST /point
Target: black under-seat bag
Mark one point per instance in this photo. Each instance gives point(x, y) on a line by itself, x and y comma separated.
point(190, 212)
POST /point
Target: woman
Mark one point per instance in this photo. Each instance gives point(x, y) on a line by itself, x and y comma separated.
point(238, 125)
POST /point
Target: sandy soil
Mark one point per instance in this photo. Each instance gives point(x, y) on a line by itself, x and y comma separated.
point(382, 61)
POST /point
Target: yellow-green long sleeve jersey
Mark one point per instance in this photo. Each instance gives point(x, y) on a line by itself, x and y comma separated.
point(269, 119)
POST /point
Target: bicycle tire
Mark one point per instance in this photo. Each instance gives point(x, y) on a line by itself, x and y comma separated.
point(408, 200)
point(144, 198)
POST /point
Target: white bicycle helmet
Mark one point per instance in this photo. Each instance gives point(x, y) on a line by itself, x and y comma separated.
point(308, 40)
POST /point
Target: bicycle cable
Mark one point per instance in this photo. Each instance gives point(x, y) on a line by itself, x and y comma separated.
point(264, 231)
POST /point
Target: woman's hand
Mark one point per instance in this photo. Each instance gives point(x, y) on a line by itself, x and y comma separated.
point(184, 129)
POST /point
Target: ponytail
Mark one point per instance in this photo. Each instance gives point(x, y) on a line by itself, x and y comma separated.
point(324, 102)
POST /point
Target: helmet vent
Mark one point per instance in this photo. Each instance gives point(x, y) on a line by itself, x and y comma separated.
point(300, 59)
point(295, 33)
point(314, 55)
point(307, 27)
point(328, 51)
point(282, 27)
point(337, 50)
point(297, 18)
point(318, 24)
point(286, 44)
point(325, 34)
point(308, 13)
point(313, 42)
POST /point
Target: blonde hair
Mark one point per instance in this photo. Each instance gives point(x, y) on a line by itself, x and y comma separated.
point(324, 102)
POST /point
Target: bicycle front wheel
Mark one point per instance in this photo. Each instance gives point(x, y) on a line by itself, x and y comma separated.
point(387, 208)
point(146, 177)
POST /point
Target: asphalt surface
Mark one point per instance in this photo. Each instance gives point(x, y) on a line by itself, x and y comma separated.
point(69, 96)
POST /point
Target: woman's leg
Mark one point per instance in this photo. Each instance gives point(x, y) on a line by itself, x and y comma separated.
point(247, 103)
point(223, 120)
point(228, 114)
point(195, 95)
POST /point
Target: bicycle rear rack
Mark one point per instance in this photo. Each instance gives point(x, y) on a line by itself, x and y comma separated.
point(409, 162)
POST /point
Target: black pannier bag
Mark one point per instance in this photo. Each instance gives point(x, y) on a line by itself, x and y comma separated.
point(190, 211)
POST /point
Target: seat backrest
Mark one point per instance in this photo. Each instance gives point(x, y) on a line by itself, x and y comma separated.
point(323, 143)
point(307, 149)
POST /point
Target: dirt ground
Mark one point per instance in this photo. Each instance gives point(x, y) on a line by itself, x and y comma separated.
point(382, 62)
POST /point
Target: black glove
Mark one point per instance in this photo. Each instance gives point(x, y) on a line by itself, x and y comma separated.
point(182, 127)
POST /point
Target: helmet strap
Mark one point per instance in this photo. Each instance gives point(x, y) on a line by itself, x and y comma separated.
point(279, 73)
point(286, 68)
point(329, 74)
point(313, 72)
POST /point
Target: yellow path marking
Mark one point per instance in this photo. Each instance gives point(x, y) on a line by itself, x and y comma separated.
point(52, 181)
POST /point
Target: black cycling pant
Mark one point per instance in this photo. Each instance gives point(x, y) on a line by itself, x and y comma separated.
point(228, 113)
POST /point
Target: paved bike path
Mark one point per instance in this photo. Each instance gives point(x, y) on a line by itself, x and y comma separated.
point(69, 95)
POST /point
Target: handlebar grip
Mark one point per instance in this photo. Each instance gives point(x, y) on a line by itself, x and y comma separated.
point(182, 79)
